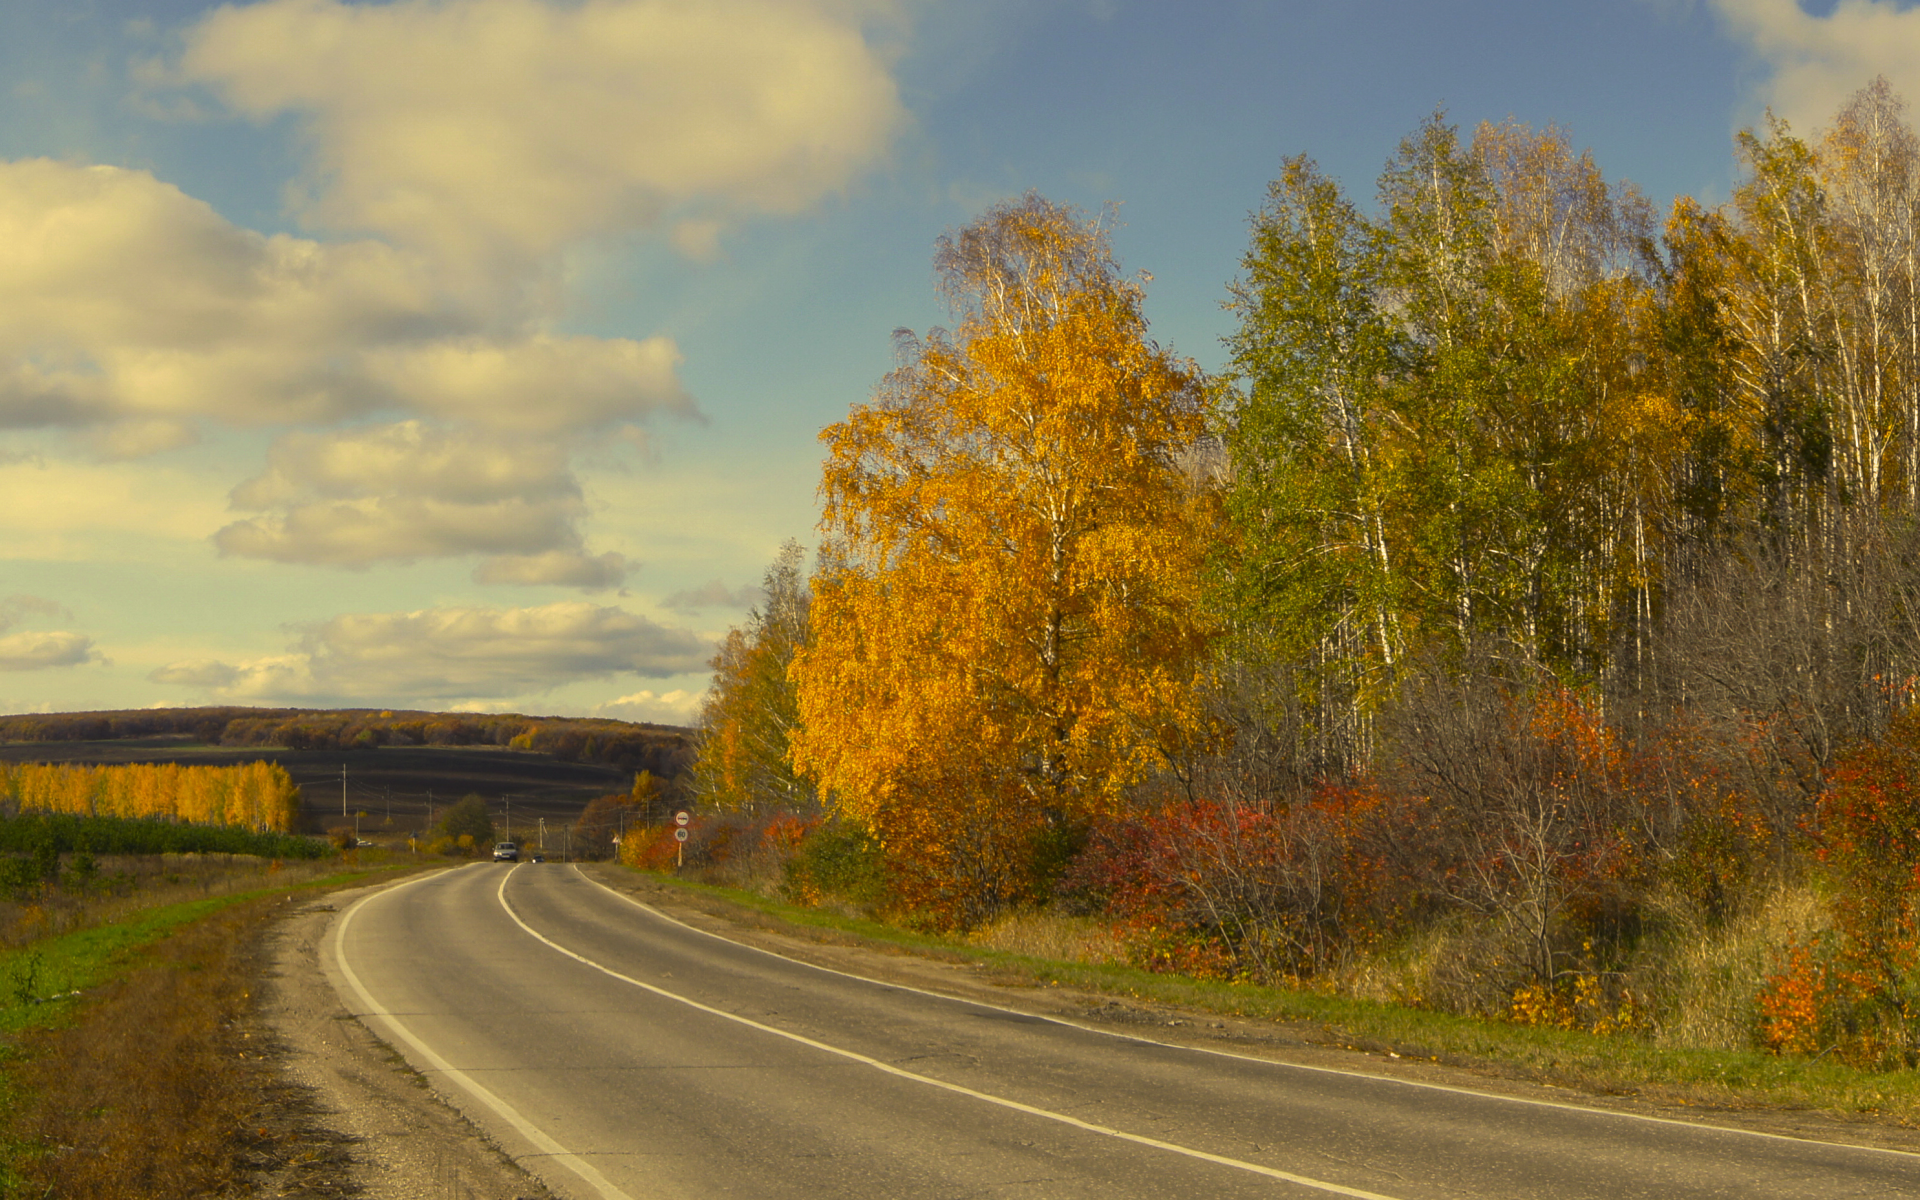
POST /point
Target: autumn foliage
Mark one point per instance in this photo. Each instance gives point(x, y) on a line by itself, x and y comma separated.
point(1007, 618)
point(258, 796)
point(1857, 990)
point(1527, 623)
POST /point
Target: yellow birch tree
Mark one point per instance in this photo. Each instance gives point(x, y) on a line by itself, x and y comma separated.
point(1007, 616)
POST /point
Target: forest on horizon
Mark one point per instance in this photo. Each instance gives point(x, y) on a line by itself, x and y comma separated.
point(659, 749)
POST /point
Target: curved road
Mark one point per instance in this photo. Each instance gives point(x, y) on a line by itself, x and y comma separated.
point(620, 1055)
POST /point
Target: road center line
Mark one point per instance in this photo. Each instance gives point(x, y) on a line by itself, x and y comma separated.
point(943, 1085)
point(527, 1129)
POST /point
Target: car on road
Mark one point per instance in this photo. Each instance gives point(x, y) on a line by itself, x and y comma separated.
point(506, 852)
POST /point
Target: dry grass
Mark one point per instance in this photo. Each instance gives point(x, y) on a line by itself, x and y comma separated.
point(157, 1081)
point(121, 885)
point(1053, 937)
point(1706, 978)
point(162, 1086)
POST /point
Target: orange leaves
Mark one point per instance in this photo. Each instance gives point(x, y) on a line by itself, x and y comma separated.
point(1007, 616)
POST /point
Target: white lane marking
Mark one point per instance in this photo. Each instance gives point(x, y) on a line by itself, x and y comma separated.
point(527, 1129)
point(1587, 1110)
point(987, 1097)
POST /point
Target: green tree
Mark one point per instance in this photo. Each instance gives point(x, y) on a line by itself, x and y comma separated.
point(468, 815)
point(751, 710)
point(1442, 434)
point(1311, 572)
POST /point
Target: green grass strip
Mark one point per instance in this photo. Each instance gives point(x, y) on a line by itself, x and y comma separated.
point(1608, 1064)
point(36, 980)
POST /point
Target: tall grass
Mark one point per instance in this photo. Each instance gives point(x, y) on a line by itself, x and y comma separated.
point(132, 1068)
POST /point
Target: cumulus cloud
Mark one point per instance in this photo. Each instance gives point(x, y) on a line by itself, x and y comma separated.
point(457, 151)
point(131, 308)
point(539, 384)
point(677, 707)
point(1816, 62)
point(511, 127)
point(34, 651)
point(21, 605)
point(409, 490)
point(451, 654)
point(714, 594)
point(37, 651)
point(204, 673)
point(563, 568)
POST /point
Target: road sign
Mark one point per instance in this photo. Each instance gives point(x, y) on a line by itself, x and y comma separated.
point(682, 817)
point(679, 835)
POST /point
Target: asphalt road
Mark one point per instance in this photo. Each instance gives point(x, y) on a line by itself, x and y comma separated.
point(617, 1053)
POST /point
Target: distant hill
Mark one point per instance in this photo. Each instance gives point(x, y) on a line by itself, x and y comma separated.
point(664, 750)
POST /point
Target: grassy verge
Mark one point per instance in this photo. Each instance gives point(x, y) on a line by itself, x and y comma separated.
point(41, 983)
point(1617, 1064)
point(152, 1079)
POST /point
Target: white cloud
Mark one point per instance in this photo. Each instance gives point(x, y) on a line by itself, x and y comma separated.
point(204, 673)
point(563, 568)
point(408, 458)
point(506, 128)
point(36, 651)
point(538, 384)
point(450, 654)
point(677, 707)
point(131, 307)
point(1817, 62)
point(410, 490)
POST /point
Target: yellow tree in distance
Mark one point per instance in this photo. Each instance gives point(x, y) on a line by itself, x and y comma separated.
point(1006, 617)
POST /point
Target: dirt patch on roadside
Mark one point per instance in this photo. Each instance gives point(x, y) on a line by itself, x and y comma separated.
point(397, 1140)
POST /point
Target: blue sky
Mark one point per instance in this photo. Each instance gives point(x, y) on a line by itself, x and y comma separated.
point(472, 353)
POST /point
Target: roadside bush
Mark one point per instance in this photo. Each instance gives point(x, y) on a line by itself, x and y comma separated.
point(731, 849)
point(836, 859)
point(1856, 992)
point(468, 818)
point(67, 832)
point(1285, 891)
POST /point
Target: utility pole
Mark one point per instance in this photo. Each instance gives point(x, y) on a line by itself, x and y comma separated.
point(343, 789)
point(509, 796)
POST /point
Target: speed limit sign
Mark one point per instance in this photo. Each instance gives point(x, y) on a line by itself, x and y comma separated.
point(679, 835)
point(681, 818)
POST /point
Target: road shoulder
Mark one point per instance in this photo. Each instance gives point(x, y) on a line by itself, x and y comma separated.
point(402, 1141)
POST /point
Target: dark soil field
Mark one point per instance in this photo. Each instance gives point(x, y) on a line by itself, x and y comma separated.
point(392, 789)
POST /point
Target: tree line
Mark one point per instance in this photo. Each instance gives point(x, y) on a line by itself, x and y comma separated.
point(1532, 602)
point(660, 749)
point(258, 796)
